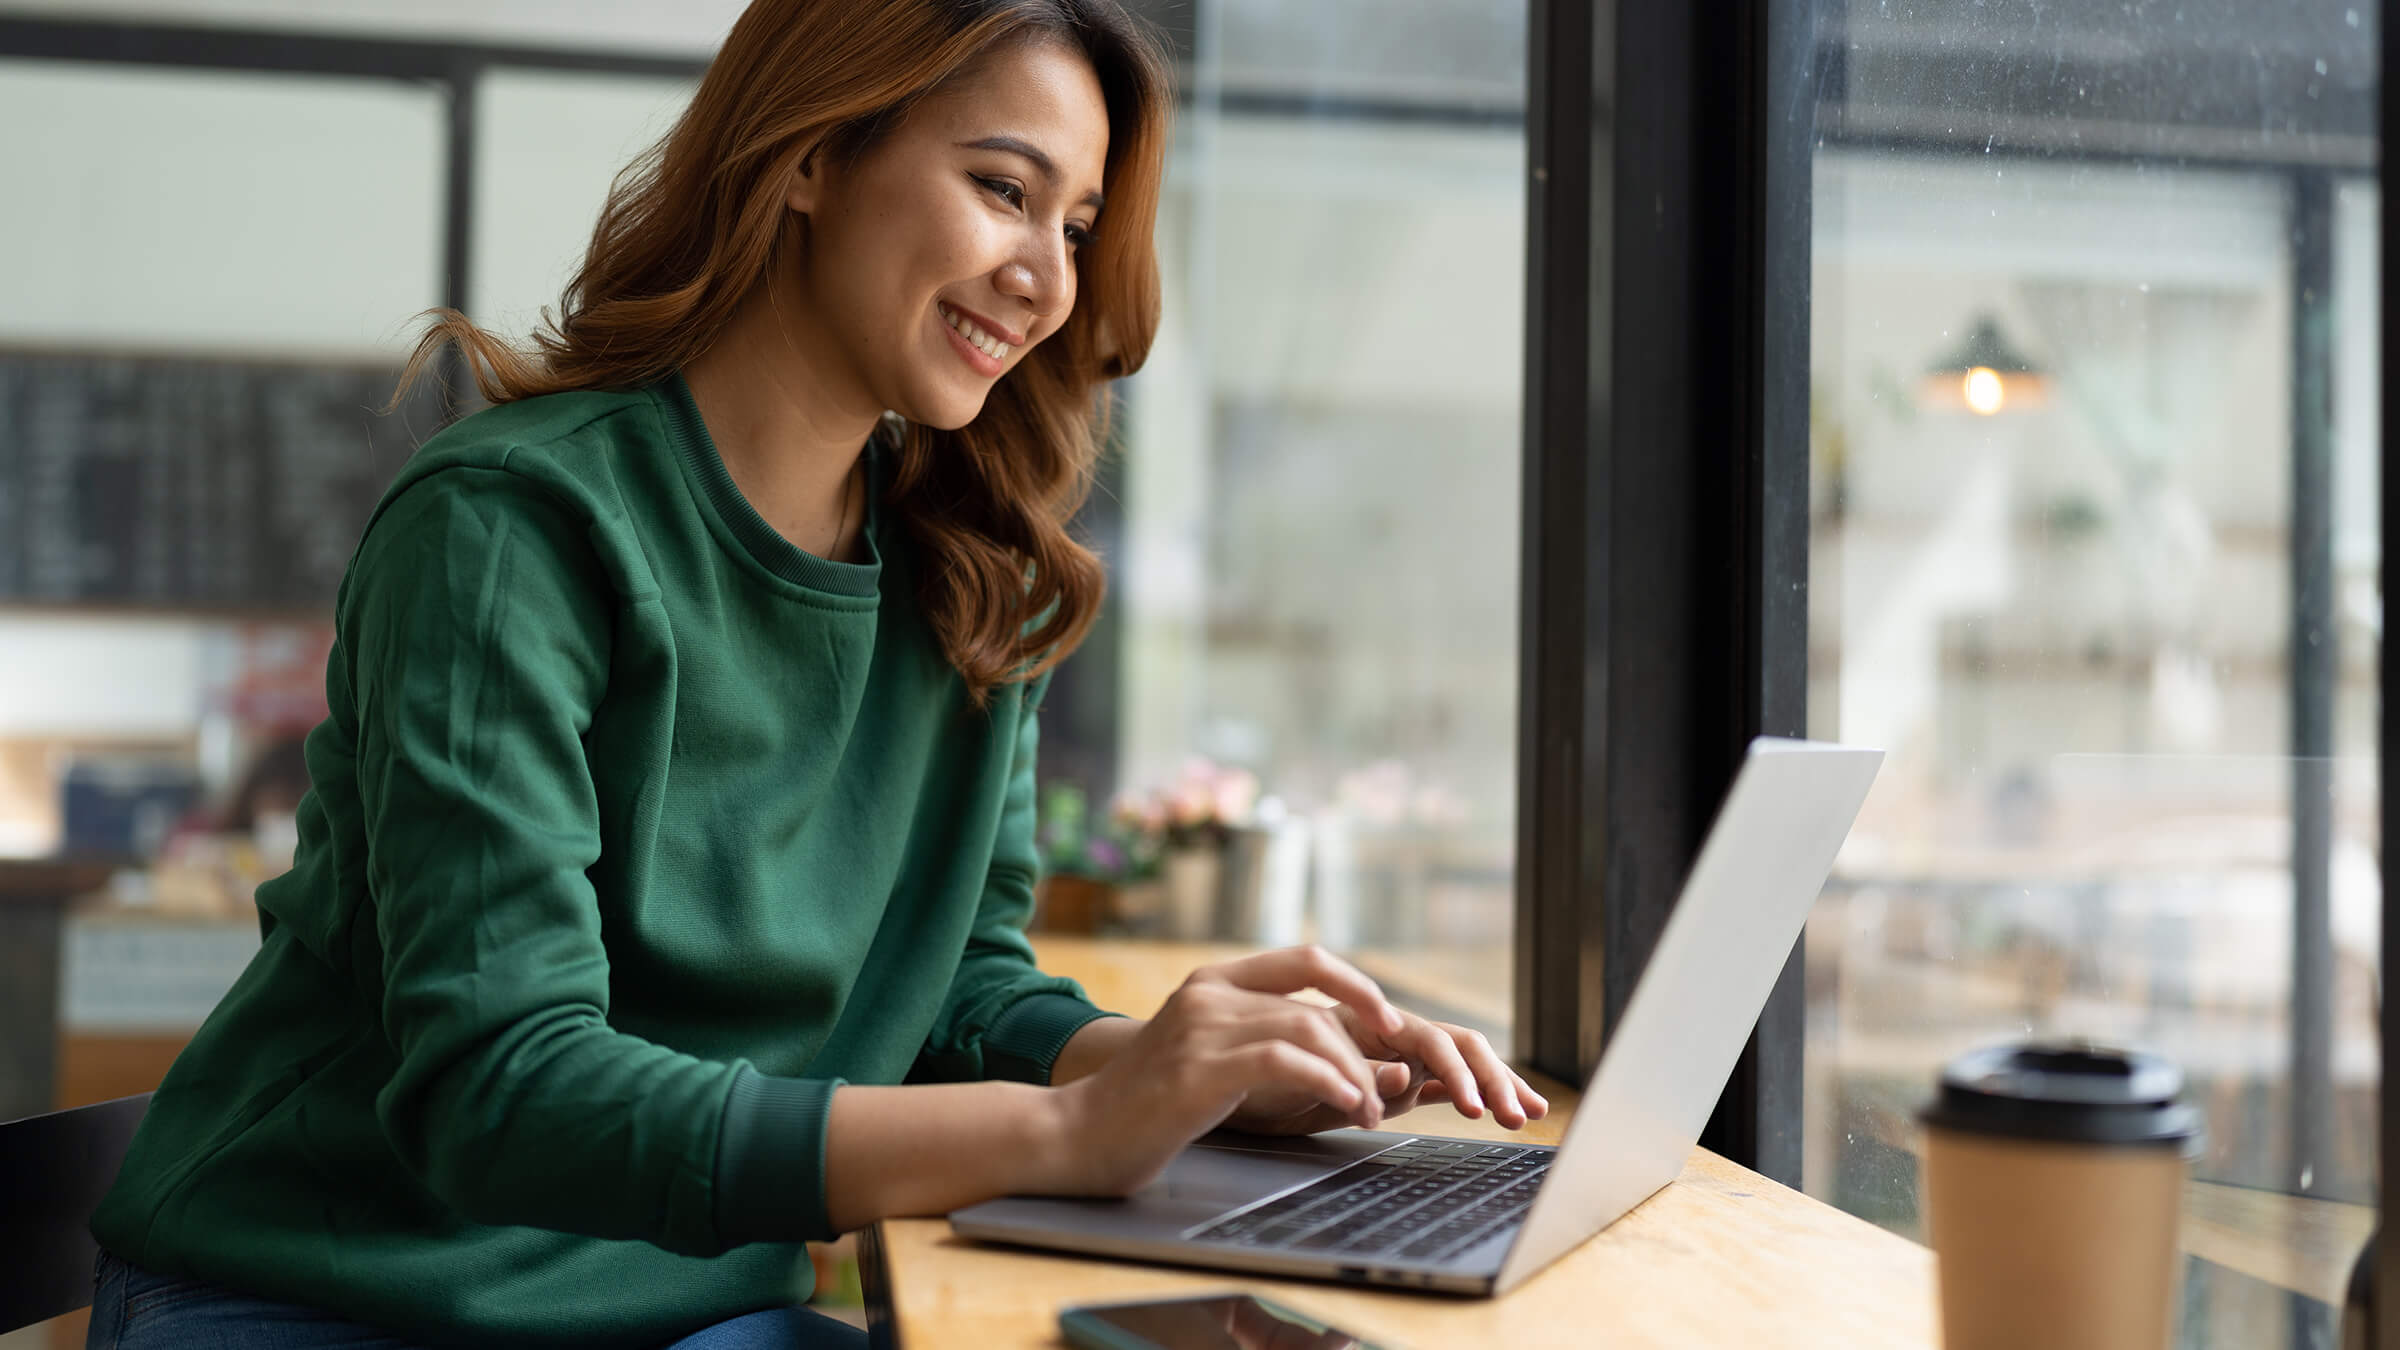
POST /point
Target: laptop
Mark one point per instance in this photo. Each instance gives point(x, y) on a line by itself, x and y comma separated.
point(1472, 1216)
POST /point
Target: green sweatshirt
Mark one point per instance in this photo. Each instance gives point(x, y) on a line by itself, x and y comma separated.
point(636, 831)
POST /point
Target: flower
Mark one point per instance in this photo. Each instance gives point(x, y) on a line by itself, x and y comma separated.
point(1236, 796)
point(1203, 804)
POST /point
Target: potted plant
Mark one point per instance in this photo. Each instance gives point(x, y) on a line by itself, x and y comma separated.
point(1082, 869)
point(1185, 826)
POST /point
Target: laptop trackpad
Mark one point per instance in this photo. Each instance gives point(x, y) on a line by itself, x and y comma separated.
point(1224, 1170)
point(1219, 1172)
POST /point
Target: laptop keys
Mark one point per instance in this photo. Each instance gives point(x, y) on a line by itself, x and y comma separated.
point(1419, 1200)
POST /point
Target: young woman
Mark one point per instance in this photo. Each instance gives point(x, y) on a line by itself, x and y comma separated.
point(659, 905)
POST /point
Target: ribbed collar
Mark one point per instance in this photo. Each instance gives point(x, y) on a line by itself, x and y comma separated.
point(742, 522)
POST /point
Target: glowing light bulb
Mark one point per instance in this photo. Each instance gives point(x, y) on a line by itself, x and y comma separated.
point(1983, 390)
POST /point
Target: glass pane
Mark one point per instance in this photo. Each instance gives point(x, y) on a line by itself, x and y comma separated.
point(2094, 558)
point(1320, 482)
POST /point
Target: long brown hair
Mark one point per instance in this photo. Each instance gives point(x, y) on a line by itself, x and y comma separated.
point(692, 226)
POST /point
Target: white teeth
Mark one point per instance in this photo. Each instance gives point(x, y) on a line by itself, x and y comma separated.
point(981, 340)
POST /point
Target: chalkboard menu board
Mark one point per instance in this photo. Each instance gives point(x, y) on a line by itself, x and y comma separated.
point(178, 482)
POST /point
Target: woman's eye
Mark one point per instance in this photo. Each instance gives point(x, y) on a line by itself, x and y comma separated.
point(1003, 189)
point(1080, 237)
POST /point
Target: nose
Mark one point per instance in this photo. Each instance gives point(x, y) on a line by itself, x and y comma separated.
point(1042, 277)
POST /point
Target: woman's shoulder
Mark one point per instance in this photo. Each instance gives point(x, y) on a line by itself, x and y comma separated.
point(538, 469)
point(531, 434)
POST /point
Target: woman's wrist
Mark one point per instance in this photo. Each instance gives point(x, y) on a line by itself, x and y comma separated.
point(1094, 1044)
point(924, 1150)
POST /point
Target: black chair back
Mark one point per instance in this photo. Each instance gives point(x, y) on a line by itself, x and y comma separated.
point(53, 1171)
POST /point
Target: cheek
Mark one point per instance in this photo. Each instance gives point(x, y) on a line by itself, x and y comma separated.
point(946, 237)
point(853, 269)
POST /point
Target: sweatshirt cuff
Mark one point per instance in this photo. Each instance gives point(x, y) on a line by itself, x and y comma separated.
point(1024, 1044)
point(770, 1178)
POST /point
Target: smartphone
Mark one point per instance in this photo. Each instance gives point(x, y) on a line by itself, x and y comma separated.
point(1207, 1322)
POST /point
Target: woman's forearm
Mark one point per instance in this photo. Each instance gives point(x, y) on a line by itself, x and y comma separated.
point(1095, 1044)
point(892, 1152)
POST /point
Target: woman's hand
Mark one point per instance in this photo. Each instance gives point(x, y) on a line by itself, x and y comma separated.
point(1229, 1034)
point(1230, 1047)
point(1423, 1061)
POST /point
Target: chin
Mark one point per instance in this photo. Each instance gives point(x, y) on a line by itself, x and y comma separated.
point(943, 413)
point(952, 422)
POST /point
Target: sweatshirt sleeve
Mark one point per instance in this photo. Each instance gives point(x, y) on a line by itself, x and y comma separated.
point(1002, 1017)
point(476, 625)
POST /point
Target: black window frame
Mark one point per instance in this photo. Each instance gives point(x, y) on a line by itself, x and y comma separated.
point(1665, 567)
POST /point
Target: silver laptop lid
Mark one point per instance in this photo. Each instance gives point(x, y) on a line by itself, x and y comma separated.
point(1759, 871)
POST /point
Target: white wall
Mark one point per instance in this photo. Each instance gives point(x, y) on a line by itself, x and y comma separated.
point(549, 145)
point(225, 213)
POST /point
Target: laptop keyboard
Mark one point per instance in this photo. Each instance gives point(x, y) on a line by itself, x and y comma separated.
point(1420, 1201)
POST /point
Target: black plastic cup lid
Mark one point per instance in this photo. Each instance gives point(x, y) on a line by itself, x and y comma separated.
point(2071, 1091)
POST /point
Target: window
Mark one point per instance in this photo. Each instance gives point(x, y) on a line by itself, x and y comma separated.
point(1320, 485)
point(2093, 555)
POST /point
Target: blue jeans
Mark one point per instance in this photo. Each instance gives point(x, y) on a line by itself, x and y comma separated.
point(133, 1309)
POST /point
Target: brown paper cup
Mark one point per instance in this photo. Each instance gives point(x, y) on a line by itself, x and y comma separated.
point(2053, 1191)
point(2058, 1245)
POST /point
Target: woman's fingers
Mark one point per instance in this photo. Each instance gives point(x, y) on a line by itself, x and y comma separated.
point(1493, 1078)
point(1246, 1001)
point(1471, 1073)
point(1284, 1064)
point(1432, 1044)
point(1315, 1030)
point(1536, 1105)
point(1402, 1089)
point(1292, 969)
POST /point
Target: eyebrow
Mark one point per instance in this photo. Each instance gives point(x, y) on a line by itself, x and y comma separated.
point(1047, 166)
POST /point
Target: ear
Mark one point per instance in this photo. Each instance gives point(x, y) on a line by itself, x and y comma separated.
point(807, 185)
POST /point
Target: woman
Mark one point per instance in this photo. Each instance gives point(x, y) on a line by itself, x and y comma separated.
point(676, 806)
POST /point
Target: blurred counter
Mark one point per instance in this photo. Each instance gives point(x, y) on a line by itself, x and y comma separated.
point(100, 986)
point(34, 896)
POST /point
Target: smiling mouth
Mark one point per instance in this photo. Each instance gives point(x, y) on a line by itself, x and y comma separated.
point(973, 332)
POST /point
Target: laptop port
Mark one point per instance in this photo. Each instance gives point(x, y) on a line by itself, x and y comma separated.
point(1354, 1274)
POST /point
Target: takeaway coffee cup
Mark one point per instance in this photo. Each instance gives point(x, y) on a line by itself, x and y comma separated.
point(2053, 1182)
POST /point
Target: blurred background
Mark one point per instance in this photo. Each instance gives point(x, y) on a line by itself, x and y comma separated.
point(2094, 546)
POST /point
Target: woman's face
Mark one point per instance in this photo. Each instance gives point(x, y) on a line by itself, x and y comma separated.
point(948, 249)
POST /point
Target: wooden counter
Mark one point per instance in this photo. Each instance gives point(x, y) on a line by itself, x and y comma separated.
point(1721, 1257)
